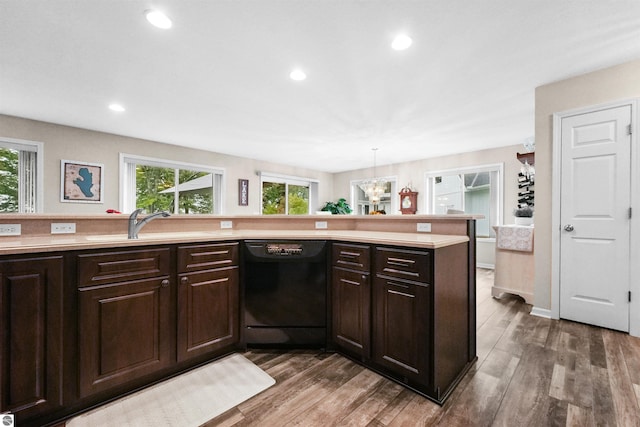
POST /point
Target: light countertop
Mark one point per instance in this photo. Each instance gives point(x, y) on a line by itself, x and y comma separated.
point(49, 243)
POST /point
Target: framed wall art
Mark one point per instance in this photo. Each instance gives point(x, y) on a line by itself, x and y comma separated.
point(243, 192)
point(81, 182)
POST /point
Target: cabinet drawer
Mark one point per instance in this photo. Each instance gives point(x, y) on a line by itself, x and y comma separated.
point(404, 264)
point(113, 267)
point(356, 257)
point(207, 257)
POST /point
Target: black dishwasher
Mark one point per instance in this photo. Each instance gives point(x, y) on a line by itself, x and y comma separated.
point(285, 293)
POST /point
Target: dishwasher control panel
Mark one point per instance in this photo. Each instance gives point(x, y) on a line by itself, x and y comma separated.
point(284, 249)
point(263, 249)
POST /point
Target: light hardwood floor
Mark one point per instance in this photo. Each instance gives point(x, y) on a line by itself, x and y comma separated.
point(530, 371)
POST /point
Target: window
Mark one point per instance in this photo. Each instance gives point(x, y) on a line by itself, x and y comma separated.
point(20, 176)
point(158, 185)
point(475, 190)
point(286, 195)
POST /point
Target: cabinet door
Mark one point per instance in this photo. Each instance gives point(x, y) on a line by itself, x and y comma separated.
point(31, 336)
point(351, 311)
point(208, 315)
point(402, 328)
point(124, 332)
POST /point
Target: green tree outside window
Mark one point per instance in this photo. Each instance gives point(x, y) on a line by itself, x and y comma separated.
point(281, 198)
point(273, 198)
point(9, 180)
point(156, 190)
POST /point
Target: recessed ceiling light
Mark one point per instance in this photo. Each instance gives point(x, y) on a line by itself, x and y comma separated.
point(158, 19)
point(298, 75)
point(117, 108)
point(401, 42)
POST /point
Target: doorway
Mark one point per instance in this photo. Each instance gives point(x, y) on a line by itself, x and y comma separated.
point(592, 219)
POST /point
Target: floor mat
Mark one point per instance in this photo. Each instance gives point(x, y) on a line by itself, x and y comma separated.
point(187, 400)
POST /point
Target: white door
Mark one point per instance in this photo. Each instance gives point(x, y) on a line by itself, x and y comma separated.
point(594, 216)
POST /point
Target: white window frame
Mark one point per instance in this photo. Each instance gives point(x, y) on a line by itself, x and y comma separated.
point(22, 145)
point(290, 180)
point(497, 196)
point(127, 202)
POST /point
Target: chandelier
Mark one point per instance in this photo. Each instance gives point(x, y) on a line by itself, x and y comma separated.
point(374, 188)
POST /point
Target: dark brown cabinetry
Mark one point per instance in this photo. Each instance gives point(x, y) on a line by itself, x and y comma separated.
point(84, 327)
point(351, 298)
point(31, 309)
point(124, 317)
point(421, 303)
point(208, 293)
point(403, 311)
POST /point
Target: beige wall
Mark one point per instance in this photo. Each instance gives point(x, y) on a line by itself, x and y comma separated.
point(64, 142)
point(414, 173)
point(621, 82)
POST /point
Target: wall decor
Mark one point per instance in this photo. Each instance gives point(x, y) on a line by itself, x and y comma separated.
point(81, 182)
point(408, 201)
point(243, 192)
point(526, 179)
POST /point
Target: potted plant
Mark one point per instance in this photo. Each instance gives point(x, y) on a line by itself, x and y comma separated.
point(341, 207)
point(523, 215)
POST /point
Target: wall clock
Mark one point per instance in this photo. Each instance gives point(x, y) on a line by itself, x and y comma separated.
point(408, 201)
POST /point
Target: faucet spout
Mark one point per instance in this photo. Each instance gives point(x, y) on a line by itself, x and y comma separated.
point(135, 226)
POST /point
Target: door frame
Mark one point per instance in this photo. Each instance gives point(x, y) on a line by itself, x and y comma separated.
point(634, 250)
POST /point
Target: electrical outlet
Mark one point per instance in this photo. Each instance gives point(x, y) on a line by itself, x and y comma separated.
point(63, 227)
point(10, 229)
point(321, 225)
point(424, 227)
point(226, 224)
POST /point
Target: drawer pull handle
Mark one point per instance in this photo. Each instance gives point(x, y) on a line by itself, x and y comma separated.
point(400, 293)
point(349, 254)
point(223, 252)
point(356, 263)
point(408, 273)
point(400, 262)
point(165, 283)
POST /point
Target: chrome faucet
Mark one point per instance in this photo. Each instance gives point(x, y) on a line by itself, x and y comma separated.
point(135, 225)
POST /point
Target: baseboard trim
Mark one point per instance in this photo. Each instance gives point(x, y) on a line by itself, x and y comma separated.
point(487, 266)
point(541, 312)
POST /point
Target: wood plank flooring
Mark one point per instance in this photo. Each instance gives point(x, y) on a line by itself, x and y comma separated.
point(530, 372)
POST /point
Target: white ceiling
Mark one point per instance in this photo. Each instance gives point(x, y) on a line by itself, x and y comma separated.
point(218, 80)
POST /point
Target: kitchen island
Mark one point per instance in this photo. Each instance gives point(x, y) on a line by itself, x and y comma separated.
point(414, 310)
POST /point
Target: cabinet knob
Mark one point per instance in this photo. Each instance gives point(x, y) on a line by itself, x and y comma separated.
point(184, 280)
point(164, 283)
point(568, 227)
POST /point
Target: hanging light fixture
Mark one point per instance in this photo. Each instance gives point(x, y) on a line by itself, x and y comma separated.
point(374, 188)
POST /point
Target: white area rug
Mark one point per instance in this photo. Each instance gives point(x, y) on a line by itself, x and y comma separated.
point(190, 399)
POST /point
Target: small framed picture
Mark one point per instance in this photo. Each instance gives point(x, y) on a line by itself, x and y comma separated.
point(243, 192)
point(81, 182)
